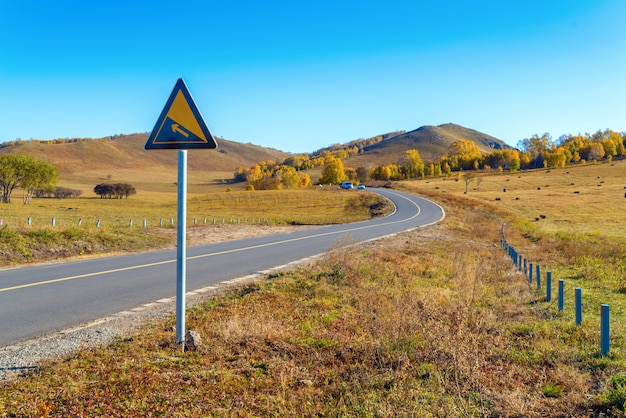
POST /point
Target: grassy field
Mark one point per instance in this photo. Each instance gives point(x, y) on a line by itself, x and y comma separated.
point(578, 200)
point(75, 229)
point(570, 221)
point(433, 322)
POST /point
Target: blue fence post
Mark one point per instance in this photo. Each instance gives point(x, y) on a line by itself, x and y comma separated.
point(538, 277)
point(525, 266)
point(530, 273)
point(98, 223)
point(130, 223)
point(579, 305)
point(54, 222)
point(145, 222)
point(548, 286)
point(605, 330)
point(561, 295)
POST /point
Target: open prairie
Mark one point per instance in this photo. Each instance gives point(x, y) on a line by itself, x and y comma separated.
point(50, 228)
point(580, 199)
point(431, 322)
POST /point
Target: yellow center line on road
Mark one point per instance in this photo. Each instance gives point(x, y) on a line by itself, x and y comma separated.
point(100, 273)
point(82, 276)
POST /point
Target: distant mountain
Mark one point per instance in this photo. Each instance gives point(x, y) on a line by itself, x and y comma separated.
point(127, 152)
point(431, 141)
point(88, 157)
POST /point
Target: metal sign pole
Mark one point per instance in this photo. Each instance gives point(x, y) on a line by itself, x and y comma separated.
point(181, 248)
point(180, 126)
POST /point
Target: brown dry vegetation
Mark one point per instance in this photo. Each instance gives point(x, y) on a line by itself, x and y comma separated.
point(433, 322)
point(207, 214)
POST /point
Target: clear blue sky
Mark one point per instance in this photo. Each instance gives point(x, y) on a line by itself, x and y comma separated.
point(301, 75)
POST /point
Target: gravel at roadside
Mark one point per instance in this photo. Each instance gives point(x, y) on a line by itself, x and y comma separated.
point(26, 357)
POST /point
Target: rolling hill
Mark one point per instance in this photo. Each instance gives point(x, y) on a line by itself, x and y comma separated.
point(127, 152)
point(82, 162)
point(431, 142)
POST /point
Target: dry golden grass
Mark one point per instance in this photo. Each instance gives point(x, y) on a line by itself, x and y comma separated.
point(433, 322)
point(578, 200)
point(75, 231)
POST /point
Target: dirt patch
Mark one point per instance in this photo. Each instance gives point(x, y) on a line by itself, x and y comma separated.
point(200, 235)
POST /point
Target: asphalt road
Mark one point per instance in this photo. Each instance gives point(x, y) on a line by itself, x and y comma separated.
point(37, 300)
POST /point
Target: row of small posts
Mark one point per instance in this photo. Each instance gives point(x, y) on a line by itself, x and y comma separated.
point(527, 268)
point(232, 220)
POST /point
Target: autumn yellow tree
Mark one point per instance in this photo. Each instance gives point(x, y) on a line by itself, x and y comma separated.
point(289, 178)
point(305, 179)
point(412, 164)
point(333, 172)
point(465, 153)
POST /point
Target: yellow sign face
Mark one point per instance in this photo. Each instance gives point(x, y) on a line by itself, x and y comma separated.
point(180, 125)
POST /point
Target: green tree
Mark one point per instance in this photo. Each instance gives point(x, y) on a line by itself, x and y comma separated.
point(333, 172)
point(26, 172)
point(514, 164)
point(40, 175)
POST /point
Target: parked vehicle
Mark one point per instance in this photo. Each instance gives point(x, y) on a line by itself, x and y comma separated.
point(361, 187)
point(346, 185)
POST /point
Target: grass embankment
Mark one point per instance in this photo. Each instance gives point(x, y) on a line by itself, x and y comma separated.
point(570, 221)
point(20, 242)
point(433, 322)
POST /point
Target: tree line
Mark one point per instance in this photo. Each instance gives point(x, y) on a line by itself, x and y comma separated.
point(58, 193)
point(117, 190)
point(37, 178)
point(58, 141)
point(462, 156)
point(269, 175)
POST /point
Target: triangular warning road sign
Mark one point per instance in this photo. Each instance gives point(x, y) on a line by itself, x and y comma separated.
point(180, 125)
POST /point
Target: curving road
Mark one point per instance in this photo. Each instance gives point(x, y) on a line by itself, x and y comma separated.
point(41, 299)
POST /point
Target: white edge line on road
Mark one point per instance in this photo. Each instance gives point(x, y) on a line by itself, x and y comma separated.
point(204, 289)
